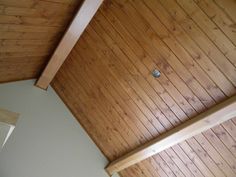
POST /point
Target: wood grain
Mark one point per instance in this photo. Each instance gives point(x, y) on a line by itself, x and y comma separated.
point(202, 122)
point(8, 117)
point(107, 83)
point(31, 28)
point(71, 36)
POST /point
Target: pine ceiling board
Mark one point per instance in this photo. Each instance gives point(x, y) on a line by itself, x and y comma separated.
point(229, 126)
point(194, 50)
point(31, 28)
point(13, 65)
point(32, 3)
point(212, 30)
point(222, 20)
point(228, 6)
point(107, 83)
point(204, 41)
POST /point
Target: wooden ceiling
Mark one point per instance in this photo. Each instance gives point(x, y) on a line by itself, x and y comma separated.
point(107, 79)
point(29, 32)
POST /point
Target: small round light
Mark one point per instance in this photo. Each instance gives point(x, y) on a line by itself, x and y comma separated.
point(156, 73)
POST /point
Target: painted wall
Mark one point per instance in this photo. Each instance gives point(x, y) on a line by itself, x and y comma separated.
point(47, 140)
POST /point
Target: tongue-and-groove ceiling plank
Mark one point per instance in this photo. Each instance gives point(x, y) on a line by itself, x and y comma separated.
point(107, 82)
point(29, 32)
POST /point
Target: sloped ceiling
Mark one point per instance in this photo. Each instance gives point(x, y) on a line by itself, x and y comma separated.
point(108, 85)
point(29, 32)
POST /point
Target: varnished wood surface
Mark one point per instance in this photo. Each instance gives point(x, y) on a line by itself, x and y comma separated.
point(202, 122)
point(8, 117)
point(74, 31)
point(107, 83)
point(29, 32)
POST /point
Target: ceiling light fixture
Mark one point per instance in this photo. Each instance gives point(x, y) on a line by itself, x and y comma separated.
point(156, 73)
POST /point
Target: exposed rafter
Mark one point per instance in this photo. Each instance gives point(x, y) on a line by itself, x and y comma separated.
point(73, 33)
point(214, 116)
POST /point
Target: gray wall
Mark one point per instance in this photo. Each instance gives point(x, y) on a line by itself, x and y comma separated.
point(47, 140)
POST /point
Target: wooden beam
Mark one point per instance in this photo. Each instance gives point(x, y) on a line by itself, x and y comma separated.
point(8, 121)
point(214, 116)
point(8, 117)
point(73, 33)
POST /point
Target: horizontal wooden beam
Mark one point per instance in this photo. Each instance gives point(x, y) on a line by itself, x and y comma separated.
point(212, 117)
point(8, 117)
point(73, 33)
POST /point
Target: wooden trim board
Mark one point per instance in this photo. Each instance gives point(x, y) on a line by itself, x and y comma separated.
point(8, 121)
point(212, 117)
point(8, 117)
point(73, 33)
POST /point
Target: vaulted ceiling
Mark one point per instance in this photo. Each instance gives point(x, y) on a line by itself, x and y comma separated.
point(29, 32)
point(107, 80)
